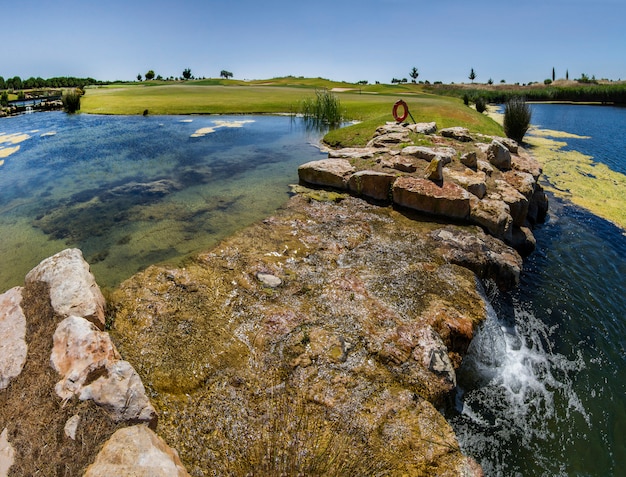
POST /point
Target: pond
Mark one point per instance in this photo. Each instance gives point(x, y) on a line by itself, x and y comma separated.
point(133, 191)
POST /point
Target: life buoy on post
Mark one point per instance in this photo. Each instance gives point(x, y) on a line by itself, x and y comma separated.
point(405, 111)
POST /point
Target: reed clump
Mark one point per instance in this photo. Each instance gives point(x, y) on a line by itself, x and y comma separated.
point(517, 116)
point(324, 110)
point(71, 101)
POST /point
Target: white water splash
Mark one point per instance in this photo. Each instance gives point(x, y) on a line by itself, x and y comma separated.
point(521, 391)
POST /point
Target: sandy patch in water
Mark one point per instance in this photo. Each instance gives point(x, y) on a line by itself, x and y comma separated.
point(220, 124)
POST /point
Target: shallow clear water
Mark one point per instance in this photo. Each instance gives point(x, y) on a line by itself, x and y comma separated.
point(543, 391)
point(132, 191)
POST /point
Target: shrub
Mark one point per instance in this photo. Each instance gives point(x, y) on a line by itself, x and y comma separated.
point(466, 99)
point(481, 104)
point(547, 81)
point(517, 115)
point(71, 101)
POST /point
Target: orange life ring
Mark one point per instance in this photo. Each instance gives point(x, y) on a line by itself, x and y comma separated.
point(405, 111)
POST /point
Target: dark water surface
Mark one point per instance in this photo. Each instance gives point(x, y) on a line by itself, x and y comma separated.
point(544, 390)
point(132, 191)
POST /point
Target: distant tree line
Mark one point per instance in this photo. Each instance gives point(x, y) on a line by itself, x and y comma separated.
point(17, 83)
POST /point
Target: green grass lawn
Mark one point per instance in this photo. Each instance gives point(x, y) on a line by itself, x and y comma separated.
point(369, 104)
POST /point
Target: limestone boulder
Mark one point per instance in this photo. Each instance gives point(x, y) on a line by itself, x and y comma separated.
point(13, 346)
point(522, 181)
point(469, 159)
point(485, 167)
point(73, 288)
point(523, 241)
point(136, 451)
point(423, 128)
point(473, 182)
point(447, 199)
point(389, 139)
point(499, 156)
point(327, 172)
point(510, 144)
point(91, 368)
point(372, 184)
point(486, 256)
point(518, 204)
point(404, 164)
point(7, 453)
point(457, 133)
point(353, 153)
point(430, 153)
point(494, 216)
point(524, 162)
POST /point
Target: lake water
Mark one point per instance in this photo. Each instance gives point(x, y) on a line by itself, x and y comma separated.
point(132, 191)
point(543, 392)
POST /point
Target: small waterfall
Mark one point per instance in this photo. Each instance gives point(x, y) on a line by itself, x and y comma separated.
point(513, 392)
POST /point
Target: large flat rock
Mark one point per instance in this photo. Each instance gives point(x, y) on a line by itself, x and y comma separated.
point(446, 199)
point(327, 172)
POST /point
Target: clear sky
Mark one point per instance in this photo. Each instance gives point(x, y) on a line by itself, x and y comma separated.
point(374, 40)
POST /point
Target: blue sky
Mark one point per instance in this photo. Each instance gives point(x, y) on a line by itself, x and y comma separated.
point(374, 40)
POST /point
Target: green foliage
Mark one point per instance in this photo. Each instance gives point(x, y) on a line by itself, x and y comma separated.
point(517, 116)
point(187, 73)
point(472, 75)
point(225, 74)
point(4, 98)
point(71, 101)
point(139, 77)
point(150, 75)
point(414, 74)
point(322, 111)
point(20, 95)
point(547, 81)
point(481, 104)
point(466, 99)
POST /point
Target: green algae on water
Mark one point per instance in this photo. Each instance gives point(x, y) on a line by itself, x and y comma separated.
point(578, 178)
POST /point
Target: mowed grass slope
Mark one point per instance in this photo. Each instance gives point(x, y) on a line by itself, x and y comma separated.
point(371, 105)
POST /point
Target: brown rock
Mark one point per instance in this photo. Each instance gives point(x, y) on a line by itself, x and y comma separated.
point(403, 164)
point(372, 184)
point(473, 182)
point(494, 216)
point(353, 153)
point(538, 206)
point(73, 288)
point(327, 172)
point(448, 200)
point(136, 451)
point(13, 346)
point(518, 204)
point(469, 159)
point(522, 181)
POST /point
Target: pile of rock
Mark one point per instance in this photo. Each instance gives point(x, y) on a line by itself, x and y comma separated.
point(494, 185)
point(88, 364)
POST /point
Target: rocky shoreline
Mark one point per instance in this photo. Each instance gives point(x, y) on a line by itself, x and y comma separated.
point(322, 339)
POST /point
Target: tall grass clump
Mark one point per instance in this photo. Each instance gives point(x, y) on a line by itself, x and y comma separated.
point(71, 101)
point(517, 115)
point(481, 104)
point(322, 111)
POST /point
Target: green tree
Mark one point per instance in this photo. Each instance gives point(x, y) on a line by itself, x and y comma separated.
point(150, 75)
point(472, 75)
point(4, 98)
point(225, 74)
point(414, 74)
point(3, 84)
point(490, 81)
point(553, 74)
point(139, 77)
point(187, 73)
point(567, 74)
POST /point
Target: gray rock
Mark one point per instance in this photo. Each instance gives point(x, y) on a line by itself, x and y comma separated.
point(499, 156)
point(458, 133)
point(327, 172)
point(353, 153)
point(509, 143)
point(73, 288)
point(269, 280)
point(71, 426)
point(423, 128)
point(485, 167)
point(136, 450)
point(494, 216)
point(518, 204)
point(390, 138)
point(13, 348)
point(429, 153)
point(403, 164)
point(469, 159)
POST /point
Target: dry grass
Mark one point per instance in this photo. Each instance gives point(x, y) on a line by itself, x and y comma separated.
point(35, 416)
